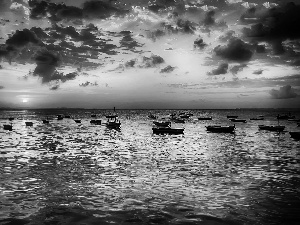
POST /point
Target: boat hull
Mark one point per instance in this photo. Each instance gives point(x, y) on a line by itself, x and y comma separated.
point(220, 129)
point(295, 135)
point(167, 130)
point(271, 128)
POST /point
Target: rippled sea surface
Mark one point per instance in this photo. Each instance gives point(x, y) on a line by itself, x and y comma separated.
point(69, 173)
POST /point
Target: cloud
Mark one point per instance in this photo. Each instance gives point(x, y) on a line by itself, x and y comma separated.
point(128, 42)
point(1, 87)
point(258, 72)
point(167, 69)
point(54, 87)
point(235, 69)
point(22, 38)
point(199, 43)
point(283, 93)
point(152, 61)
point(236, 50)
point(222, 69)
point(227, 36)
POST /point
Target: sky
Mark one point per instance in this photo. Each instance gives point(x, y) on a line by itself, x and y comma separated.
point(150, 54)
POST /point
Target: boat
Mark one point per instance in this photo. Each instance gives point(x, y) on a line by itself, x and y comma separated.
point(60, 117)
point(113, 122)
point(77, 121)
point(67, 116)
point(11, 118)
point(96, 122)
point(295, 134)
point(7, 127)
point(151, 116)
point(29, 124)
point(285, 117)
point(205, 118)
point(93, 115)
point(230, 116)
point(238, 120)
point(271, 127)
point(177, 120)
point(294, 120)
point(45, 121)
point(167, 130)
point(220, 129)
point(162, 123)
point(257, 118)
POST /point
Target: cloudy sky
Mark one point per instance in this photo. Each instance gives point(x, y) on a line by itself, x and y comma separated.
point(150, 54)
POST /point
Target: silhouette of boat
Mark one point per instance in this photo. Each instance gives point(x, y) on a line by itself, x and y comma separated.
point(77, 121)
point(66, 116)
point(151, 116)
point(11, 118)
point(29, 124)
point(285, 117)
point(162, 123)
point(93, 115)
point(96, 122)
point(238, 120)
point(60, 117)
point(295, 134)
point(205, 118)
point(271, 128)
point(232, 117)
point(113, 122)
point(167, 130)
point(296, 120)
point(45, 121)
point(257, 118)
point(220, 129)
point(7, 127)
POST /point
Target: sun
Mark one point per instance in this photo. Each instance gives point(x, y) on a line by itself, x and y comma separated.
point(24, 100)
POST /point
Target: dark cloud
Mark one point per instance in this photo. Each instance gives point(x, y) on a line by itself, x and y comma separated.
point(235, 69)
point(227, 36)
point(128, 42)
point(209, 19)
point(258, 72)
point(260, 49)
point(222, 69)
point(283, 93)
point(152, 61)
point(199, 43)
point(22, 38)
point(167, 69)
point(236, 50)
point(155, 34)
point(54, 87)
point(130, 63)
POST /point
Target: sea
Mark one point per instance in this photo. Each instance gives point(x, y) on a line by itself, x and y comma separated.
point(66, 173)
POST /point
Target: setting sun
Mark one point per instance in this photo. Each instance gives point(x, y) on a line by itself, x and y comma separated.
point(24, 100)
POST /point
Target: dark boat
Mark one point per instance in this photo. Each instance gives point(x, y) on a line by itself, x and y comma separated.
point(60, 117)
point(93, 115)
point(77, 121)
point(162, 123)
point(232, 117)
point(205, 118)
point(167, 130)
point(294, 120)
point(7, 127)
point(177, 120)
point(257, 118)
point(96, 122)
point(67, 116)
point(151, 116)
point(295, 134)
point(238, 120)
point(11, 118)
point(220, 129)
point(29, 124)
point(113, 122)
point(285, 117)
point(271, 128)
point(45, 121)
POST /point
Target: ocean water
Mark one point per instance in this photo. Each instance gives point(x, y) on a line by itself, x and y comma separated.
point(69, 173)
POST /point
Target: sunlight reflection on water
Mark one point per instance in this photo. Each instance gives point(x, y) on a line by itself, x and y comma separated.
point(247, 177)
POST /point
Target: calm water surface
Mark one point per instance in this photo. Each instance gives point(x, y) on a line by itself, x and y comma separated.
point(68, 173)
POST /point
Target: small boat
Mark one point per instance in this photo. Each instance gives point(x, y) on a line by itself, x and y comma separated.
point(238, 120)
point(113, 122)
point(220, 129)
point(96, 122)
point(67, 116)
point(257, 118)
point(45, 121)
point(60, 117)
point(295, 120)
point(11, 118)
point(162, 123)
point(151, 116)
point(177, 120)
point(7, 127)
point(230, 117)
point(295, 134)
point(271, 128)
point(185, 116)
point(205, 118)
point(285, 117)
point(29, 124)
point(167, 130)
point(77, 121)
point(93, 115)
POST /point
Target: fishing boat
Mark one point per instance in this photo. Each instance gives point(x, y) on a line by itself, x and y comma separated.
point(271, 127)
point(7, 127)
point(151, 116)
point(113, 122)
point(96, 122)
point(231, 116)
point(205, 118)
point(238, 120)
point(167, 130)
point(29, 124)
point(11, 118)
point(295, 134)
point(220, 129)
point(162, 123)
point(45, 121)
point(77, 121)
point(257, 118)
point(60, 117)
point(66, 116)
point(285, 117)
point(93, 115)
point(294, 120)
